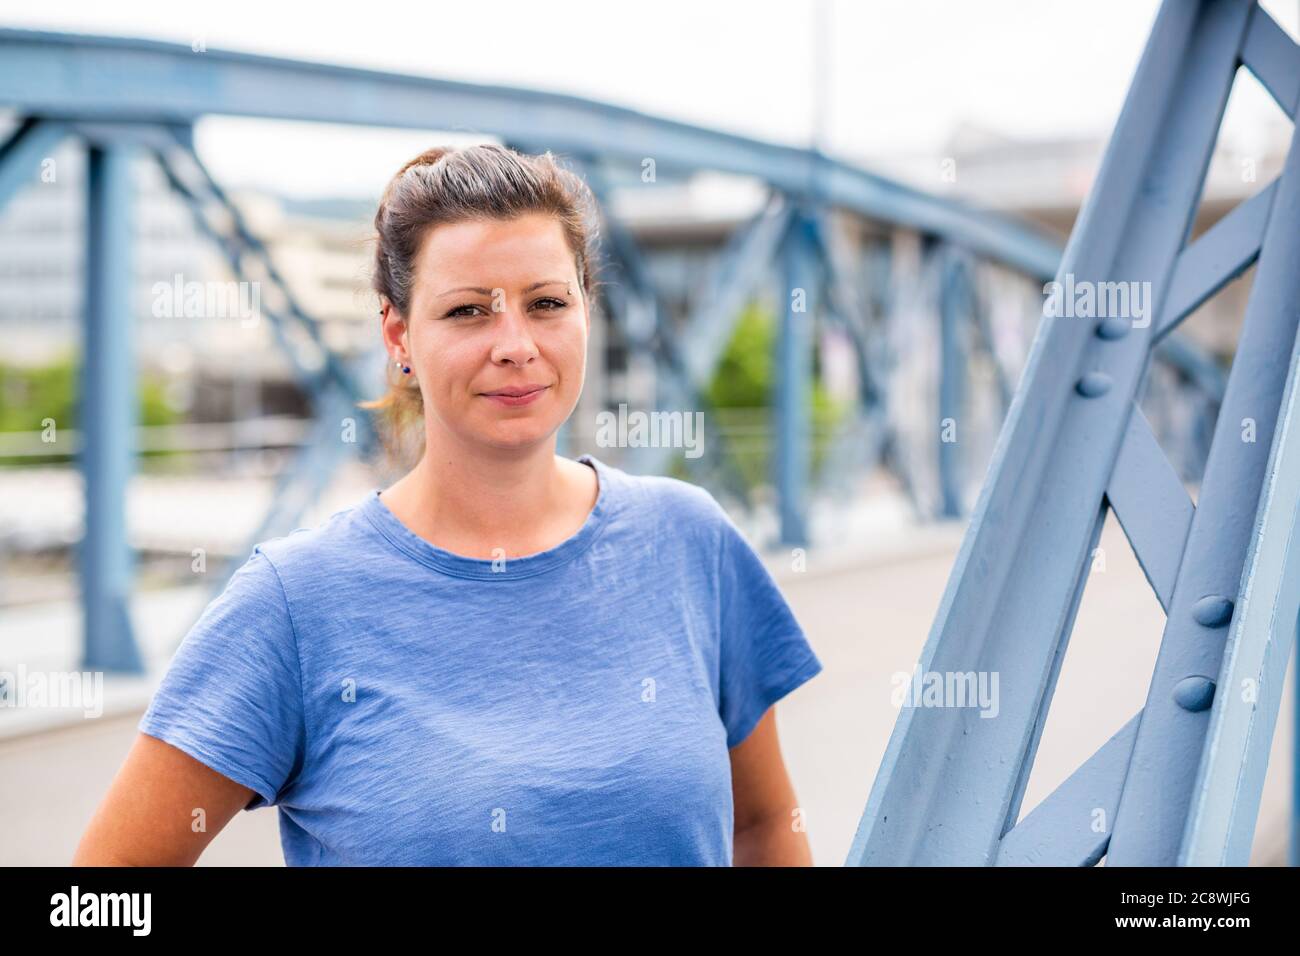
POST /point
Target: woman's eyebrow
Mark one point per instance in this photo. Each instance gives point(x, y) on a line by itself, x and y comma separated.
point(482, 291)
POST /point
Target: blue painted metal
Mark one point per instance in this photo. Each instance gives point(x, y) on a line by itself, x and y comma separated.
point(1067, 448)
point(318, 367)
point(1172, 737)
point(107, 408)
point(330, 384)
point(984, 329)
point(90, 77)
point(740, 269)
point(1152, 506)
point(1224, 799)
point(860, 442)
point(333, 387)
point(682, 373)
point(1069, 828)
point(1201, 370)
point(22, 154)
point(1183, 406)
point(945, 291)
point(844, 305)
point(882, 298)
point(301, 484)
point(144, 83)
point(218, 82)
point(1271, 55)
point(956, 308)
point(741, 264)
point(1226, 250)
point(111, 90)
point(792, 402)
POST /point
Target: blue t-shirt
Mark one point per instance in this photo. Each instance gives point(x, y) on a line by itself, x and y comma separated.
point(404, 705)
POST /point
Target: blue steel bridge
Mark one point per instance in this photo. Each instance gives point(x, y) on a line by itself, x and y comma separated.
point(840, 248)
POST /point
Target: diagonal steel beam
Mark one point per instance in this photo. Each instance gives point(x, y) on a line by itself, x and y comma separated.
point(22, 154)
point(1152, 506)
point(685, 372)
point(1149, 827)
point(1274, 58)
point(1226, 793)
point(1012, 597)
point(1072, 826)
point(1226, 250)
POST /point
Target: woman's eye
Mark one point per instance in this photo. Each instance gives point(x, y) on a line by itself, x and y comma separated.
point(469, 311)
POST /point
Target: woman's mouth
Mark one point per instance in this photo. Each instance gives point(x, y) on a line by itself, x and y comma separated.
point(514, 397)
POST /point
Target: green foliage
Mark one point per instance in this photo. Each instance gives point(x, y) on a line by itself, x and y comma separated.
point(741, 395)
point(31, 394)
point(745, 374)
point(28, 395)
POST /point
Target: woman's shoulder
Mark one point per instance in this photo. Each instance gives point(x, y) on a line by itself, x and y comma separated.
point(329, 542)
point(664, 497)
point(254, 611)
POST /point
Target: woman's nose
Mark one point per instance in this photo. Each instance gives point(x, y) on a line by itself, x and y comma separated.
point(513, 340)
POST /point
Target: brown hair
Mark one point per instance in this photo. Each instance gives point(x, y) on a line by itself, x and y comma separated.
point(445, 185)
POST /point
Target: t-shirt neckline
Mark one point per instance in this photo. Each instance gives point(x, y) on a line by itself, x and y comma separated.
point(391, 527)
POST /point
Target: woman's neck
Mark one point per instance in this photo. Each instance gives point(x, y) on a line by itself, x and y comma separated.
point(473, 502)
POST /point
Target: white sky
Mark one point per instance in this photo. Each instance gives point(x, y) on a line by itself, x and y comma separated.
point(899, 74)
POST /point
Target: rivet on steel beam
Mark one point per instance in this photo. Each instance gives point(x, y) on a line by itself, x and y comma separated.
point(1114, 327)
point(1212, 611)
point(1093, 384)
point(1194, 693)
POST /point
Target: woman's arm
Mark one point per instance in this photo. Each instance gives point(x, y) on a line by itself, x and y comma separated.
point(149, 816)
point(765, 802)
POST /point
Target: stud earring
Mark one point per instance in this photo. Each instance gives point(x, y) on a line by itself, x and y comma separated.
point(406, 369)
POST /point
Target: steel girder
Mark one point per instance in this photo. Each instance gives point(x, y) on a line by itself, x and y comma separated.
point(1179, 783)
point(107, 409)
point(60, 75)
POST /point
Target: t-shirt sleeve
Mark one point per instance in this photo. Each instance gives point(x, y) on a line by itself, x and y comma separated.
point(764, 654)
point(232, 695)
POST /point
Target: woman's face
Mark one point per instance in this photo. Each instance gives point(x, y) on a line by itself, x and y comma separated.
point(496, 308)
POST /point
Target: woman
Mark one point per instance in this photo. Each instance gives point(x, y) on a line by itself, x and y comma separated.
point(506, 657)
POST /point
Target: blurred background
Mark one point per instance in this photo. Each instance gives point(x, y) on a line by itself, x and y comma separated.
point(151, 433)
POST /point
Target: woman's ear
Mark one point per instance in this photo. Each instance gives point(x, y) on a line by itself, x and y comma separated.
point(393, 329)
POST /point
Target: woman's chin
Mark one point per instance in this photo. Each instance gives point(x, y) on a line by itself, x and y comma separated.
point(520, 433)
